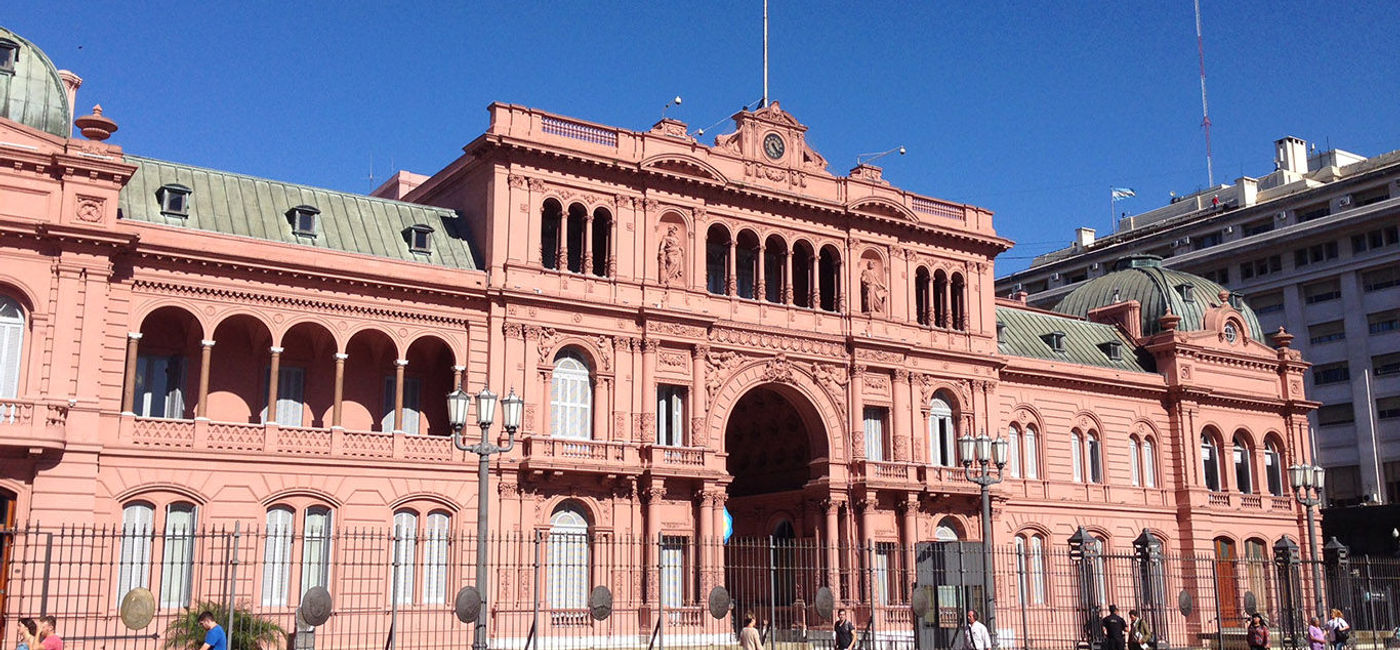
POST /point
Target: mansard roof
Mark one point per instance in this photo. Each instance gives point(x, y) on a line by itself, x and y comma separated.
point(1023, 333)
point(1158, 289)
point(33, 94)
point(247, 206)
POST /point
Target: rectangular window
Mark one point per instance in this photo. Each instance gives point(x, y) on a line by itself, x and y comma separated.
point(1261, 267)
point(1206, 241)
point(1326, 332)
point(1388, 408)
point(1382, 278)
point(1386, 364)
point(1392, 481)
point(1095, 461)
point(1331, 414)
point(277, 556)
point(1013, 454)
point(177, 566)
point(1343, 485)
point(674, 554)
point(1322, 291)
point(670, 415)
point(1331, 373)
point(1383, 321)
point(1134, 463)
point(1258, 227)
point(160, 381)
point(1028, 449)
point(134, 564)
point(412, 388)
point(316, 548)
point(875, 432)
point(404, 549)
point(1076, 458)
point(1370, 196)
point(1316, 211)
point(882, 570)
point(1219, 276)
point(1315, 253)
point(436, 540)
point(1266, 303)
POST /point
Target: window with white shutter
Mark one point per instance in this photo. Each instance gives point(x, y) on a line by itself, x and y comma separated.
point(571, 398)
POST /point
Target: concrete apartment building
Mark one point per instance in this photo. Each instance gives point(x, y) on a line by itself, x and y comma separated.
point(1312, 247)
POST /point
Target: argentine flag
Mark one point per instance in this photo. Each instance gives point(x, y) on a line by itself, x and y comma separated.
point(1122, 192)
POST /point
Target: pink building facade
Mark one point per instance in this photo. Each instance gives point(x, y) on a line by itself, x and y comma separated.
point(695, 329)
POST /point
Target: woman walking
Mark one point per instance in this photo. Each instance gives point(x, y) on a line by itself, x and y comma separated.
point(1258, 633)
point(1317, 639)
point(1338, 630)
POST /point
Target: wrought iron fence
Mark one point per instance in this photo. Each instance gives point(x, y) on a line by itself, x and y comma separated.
point(396, 587)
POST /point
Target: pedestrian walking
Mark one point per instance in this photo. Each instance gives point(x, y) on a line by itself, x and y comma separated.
point(214, 636)
point(28, 634)
point(748, 637)
point(1257, 635)
point(1317, 638)
point(1338, 630)
point(1139, 634)
point(845, 631)
point(1113, 628)
point(975, 635)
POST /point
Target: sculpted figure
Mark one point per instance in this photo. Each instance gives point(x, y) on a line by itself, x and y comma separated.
point(874, 287)
point(671, 257)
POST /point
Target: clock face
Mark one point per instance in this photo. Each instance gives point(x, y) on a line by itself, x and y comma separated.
point(773, 146)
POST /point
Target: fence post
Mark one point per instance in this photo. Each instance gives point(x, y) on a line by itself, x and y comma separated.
point(535, 614)
point(870, 590)
point(233, 572)
point(1148, 549)
point(44, 589)
point(394, 587)
point(1022, 596)
point(1219, 611)
point(1082, 550)
point(660, 592)
point(1336, 557)
point(1287, 559)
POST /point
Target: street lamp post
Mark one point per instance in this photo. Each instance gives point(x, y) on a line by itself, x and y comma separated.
point(987, 453)
point(1307, 481)
point(457, 403)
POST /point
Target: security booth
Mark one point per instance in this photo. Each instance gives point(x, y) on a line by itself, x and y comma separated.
point(948, 582)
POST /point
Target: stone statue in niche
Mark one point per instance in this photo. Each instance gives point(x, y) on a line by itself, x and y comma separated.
point(671, 258)
point(873, 292)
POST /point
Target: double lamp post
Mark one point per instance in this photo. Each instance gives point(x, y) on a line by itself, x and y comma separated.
point(989, 457)
point(1307, 481)
point(458, 401)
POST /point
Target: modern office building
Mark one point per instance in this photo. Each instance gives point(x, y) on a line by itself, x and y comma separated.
point(1314, 247)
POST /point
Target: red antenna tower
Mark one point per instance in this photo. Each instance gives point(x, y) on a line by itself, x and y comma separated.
point(1205, 107)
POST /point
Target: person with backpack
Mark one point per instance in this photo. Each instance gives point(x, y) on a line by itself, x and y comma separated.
point(1338, 630)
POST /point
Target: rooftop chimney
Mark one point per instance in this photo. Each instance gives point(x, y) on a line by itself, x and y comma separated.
point(1083, 237)
point(1291, 154)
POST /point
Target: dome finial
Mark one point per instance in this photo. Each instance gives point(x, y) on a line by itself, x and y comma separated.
point(95, 127)
point(1282, 338)
point(1169, 320)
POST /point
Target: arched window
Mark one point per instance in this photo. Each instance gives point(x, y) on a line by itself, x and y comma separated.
point(1100, 572)
point(1038, 578)
point(576, 240)
point(1013, 451)
point(571, 398)
point(316, 548)
point(921, 310)
point(942, 434)
point(134, 569)
point(277, 566)
point(958, 297)
point(947, 531)
point(1149, 463)
point(717, 260)
point(601, 246)
point(803, 285)
point(829, 278)
point(435, 544)
point(1244, 477)
point(405, 547)
point(746, 260)
point(568, 558)
point(177, 563)
point(1134, 462)
point(11, 347)
point(940, 299)
point(1210, 462)
point(775, 279)
point(551, 240)
point(1273, 468)
point(1030, 451)
point(1076, 456)
point(1022, 583)
point(1094, 457)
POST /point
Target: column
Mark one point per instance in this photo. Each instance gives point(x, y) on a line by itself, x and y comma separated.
point(561, 243)
point(759, 291)
point(832, 539)
point(206, 350)
point(274, 370)
point(787, 277)
point(698, 398)
point(901, 433)
point(840, 282)
point(399, 365)
point(909, 508)
point(457, 374)
point(587, 244)
point(133, 342)
point(705, 544)
point(813, 288)
point(731, 285)
point(856, 425)
point(340, 358)
point(648, 436)
point(651, 495)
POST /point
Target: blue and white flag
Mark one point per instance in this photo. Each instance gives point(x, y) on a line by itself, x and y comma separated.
point(1122, 192)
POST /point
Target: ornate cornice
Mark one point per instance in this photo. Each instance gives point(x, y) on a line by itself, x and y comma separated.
point(248, 297)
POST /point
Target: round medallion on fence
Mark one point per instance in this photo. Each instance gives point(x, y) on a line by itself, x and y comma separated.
point(137, 608)
point(1251, 603)
point(719, 602)
point(824, 602)
point(468, 604)
point(919, 601)
point(600, 603)
point(315, 608)
point(1183, 602)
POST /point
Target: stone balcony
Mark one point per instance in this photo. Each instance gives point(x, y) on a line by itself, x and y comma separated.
point(35, 426)
point(236, 437)
point(549, 455)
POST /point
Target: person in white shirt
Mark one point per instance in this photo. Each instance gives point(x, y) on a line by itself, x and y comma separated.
point(975, 635)
point(1338, 630)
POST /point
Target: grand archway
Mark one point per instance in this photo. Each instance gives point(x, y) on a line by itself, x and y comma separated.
point(777, 454)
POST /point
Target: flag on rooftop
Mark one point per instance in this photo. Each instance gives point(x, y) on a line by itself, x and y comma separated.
point(1122, 192)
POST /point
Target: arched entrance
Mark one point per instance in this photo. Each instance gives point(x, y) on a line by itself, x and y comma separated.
point(776, 447)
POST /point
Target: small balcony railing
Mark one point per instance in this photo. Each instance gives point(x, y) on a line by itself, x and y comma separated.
point(547, 453)
point(244, 437)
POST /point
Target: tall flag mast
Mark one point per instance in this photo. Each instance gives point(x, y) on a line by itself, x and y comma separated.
point(1205, 108)
point(765, 53)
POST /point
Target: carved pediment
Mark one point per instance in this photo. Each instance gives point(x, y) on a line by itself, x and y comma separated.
point(684, 166)
point(772, 137)
point(883, 207)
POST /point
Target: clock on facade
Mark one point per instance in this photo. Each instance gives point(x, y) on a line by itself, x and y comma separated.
point(773, 146)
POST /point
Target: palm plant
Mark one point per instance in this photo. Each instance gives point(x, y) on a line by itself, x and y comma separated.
point(249, 631)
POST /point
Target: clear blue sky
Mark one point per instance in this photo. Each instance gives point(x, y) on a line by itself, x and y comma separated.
point(1031, 109)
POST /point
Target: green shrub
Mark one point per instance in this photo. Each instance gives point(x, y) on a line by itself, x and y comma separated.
point(250, 631)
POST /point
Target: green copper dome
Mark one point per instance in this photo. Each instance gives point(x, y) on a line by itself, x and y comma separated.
point(1142, 278)
point(32, 94)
